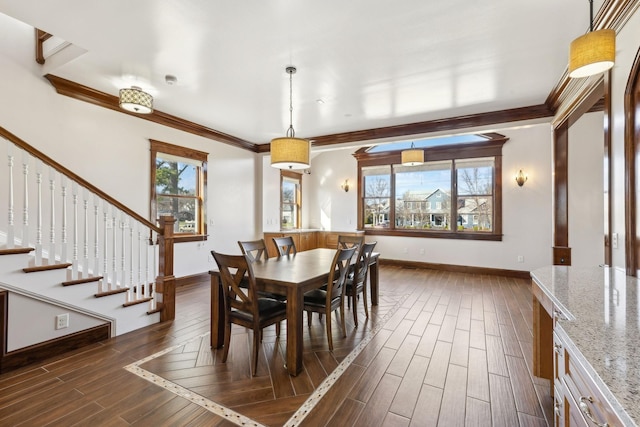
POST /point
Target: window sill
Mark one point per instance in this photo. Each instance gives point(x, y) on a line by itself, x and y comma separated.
point(435, 234)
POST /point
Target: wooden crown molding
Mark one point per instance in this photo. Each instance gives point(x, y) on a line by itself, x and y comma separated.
point(93, 96)
point(566, 96)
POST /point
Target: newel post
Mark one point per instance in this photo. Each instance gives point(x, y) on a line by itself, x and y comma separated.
point(166, 281)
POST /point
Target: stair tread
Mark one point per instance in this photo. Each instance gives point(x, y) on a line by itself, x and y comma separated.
point(15, 251)
point(81, 281)
point(46, 267)
point(111, 292)
point(140, 301)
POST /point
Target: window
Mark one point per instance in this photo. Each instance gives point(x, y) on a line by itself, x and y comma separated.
point(179, 177)
point(454, 194)
point(290, 199)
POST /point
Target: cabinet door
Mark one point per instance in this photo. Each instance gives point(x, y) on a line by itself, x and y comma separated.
point(307, 241)
point(271, 248)
point(296, 239)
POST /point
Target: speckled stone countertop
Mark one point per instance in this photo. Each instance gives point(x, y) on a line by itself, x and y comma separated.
point(602, 308)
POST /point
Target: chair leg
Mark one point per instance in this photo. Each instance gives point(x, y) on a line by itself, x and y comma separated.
point(344, 326)
point(327, 325)
point(227, 341)
point(278, 329)
point(257, 334)
point(364, 300)
point(309, 318)
point(355, 308)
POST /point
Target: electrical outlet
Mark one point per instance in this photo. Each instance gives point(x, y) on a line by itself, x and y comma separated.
point(405, 250)
point(520, 258)
point(614, 240)
point(421, 251)
point(62, 321)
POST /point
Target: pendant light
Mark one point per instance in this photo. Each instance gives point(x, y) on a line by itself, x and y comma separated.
point(412, 157)
point(592, 53)
point(290, 152)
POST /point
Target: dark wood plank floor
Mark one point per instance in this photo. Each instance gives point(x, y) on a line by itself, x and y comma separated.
point(440, 349)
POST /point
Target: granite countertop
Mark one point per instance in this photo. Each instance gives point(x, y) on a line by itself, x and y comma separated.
point(602, 310)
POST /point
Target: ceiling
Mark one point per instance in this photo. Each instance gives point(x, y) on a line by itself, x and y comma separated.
point(361, 64)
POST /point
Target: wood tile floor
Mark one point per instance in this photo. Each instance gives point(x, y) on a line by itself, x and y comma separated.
point(441, 349)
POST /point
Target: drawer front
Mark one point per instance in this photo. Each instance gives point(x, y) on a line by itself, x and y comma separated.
point(559, 358)
point(588, 398)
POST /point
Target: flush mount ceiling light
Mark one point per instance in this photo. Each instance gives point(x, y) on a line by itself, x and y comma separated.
point(593, 52)
point(413, 156)
point(290, 152)
point(136, 100)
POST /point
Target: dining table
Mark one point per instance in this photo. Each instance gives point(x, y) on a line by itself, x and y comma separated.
point(291, 276)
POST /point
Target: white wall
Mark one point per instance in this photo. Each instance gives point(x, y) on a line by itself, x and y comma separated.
point(111, 150)
point(33, 322)
point(526, 210)
point(627, 44)
point(586, 190)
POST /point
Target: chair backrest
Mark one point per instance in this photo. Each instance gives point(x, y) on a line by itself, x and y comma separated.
point(255, 250)
point(362, 264)
point(234, 270)
point(285, 245)
point(349, 241)
point(338, 272)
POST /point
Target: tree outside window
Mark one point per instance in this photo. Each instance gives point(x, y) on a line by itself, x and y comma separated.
point(179, 182)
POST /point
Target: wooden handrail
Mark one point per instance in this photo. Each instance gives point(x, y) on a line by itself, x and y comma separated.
point(63, 170)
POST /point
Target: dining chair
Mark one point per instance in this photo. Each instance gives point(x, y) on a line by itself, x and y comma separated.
point(327, 301)
point(357, 283)
point(285, 245)
point(243, 306)
point(349, 241)
point(256, 250)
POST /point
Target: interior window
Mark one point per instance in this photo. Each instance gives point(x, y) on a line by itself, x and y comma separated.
point(179, 178)
point(290, 199)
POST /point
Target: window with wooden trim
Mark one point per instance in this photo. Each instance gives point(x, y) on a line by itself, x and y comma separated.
point(178, 188)
point(290, 200)
point(456, 193)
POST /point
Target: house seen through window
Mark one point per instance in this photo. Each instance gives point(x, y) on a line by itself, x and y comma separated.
point(454, 194)
point(179, 177)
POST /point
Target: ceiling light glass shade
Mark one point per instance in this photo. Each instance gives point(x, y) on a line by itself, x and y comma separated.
point(413, 157)
point(136, 100)
point(592, 53)
point(290, 153)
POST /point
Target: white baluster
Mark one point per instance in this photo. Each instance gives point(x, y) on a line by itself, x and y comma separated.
point(25, 200)
point(63, 236)
point(52, 216)
point(123, 247)
point(10, 210)
point(134, 289)
point(154, 273)
point(74, 261)
point(114, 259)
point(85, 238)
point(96, 236)
point(147, 283)
point(39, 215)
point(105, 253)
point(140, 283)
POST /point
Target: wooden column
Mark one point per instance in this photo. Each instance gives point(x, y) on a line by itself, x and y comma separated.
point(561, 249)
point(166, 281)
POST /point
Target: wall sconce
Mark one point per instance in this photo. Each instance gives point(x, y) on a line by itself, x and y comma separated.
point(521, 178)
point(345, 186)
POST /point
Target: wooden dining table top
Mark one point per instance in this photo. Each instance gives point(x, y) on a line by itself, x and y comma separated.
point(303, 268)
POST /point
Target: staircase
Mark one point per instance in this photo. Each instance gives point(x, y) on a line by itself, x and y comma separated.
point(74, 247)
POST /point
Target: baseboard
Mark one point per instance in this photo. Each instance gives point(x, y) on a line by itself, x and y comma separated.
point(38, 352)
point(457, 268)
point(193, 279)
